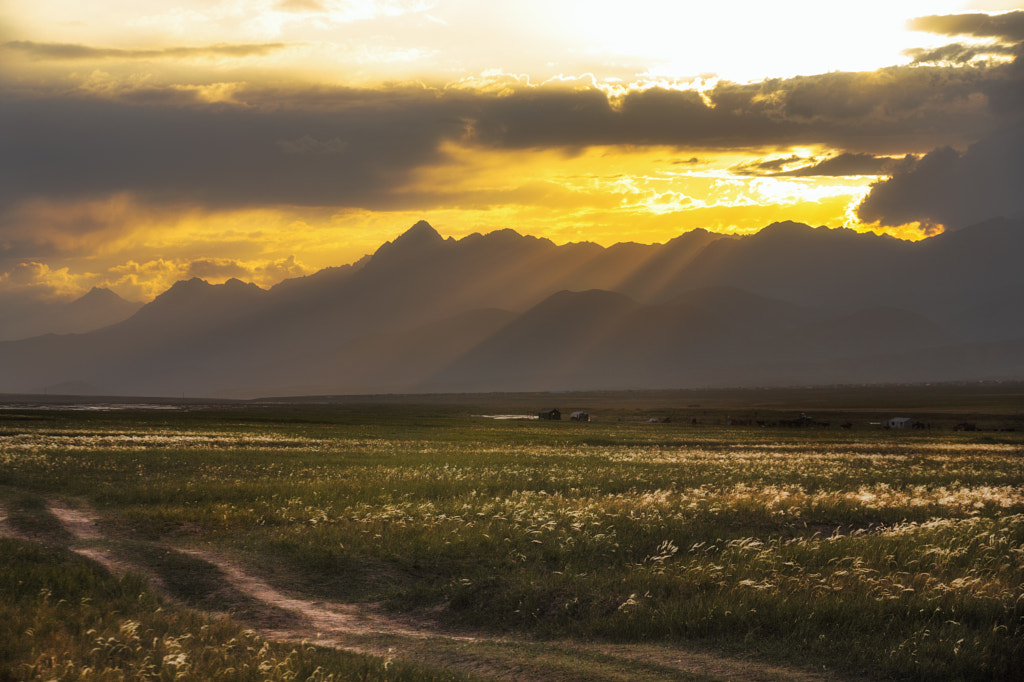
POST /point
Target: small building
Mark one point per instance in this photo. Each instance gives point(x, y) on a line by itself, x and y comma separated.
point(901, 423)
point(579, 416)
point(551, 415)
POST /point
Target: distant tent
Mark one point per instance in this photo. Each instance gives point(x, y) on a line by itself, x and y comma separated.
point(551, 414)
point(901, 423)
point(579, 417)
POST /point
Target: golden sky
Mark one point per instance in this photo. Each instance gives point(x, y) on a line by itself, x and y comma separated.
point(146, 141)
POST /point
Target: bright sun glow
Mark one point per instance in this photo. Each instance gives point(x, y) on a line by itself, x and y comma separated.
point(749, 41)
point(445, 40)
point(279, 65)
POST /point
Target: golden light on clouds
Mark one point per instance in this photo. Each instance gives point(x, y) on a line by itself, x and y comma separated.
point(639, 193)
point(263, 139)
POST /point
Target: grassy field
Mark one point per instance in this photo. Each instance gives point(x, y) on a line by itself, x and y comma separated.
point(848, 548)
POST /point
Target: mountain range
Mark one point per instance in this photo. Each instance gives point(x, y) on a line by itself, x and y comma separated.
point(97, 309)
point(789, 305)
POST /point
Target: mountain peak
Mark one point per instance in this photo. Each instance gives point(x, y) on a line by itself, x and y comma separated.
point(235, 284)
point(786, 227)
point(184, 287)
point(422, 233)
point(98, 294)
point(196, 289)
point(410, 245)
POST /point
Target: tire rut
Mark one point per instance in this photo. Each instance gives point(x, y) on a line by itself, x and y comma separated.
point(6, 530)
point(325, 619)
point(81, 523)
point(362, 628)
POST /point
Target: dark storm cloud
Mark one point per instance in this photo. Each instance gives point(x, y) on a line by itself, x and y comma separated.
point(1007, 29)
point(953, 189)
point(217, 155)
point(898, 109)
point(544, 118)
point(1008, 26)
point(357, 147)
point(72, 52)
point(895, 110)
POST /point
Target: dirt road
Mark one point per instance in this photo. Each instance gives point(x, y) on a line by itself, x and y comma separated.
point(365, 628)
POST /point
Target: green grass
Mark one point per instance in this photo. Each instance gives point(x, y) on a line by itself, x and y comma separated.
point(27, 515)
point(865, 551)
point(65, 618)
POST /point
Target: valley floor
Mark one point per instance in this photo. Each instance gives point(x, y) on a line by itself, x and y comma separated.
point(415, 539)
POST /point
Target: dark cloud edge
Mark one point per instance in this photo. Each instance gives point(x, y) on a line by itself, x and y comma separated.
point(1008, 26)
point(949, 189)
point(844, 164)
point(166, 145)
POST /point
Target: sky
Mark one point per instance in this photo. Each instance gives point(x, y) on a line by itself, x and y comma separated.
point(147, 141)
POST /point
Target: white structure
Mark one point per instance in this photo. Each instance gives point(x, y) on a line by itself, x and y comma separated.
point(901, 423)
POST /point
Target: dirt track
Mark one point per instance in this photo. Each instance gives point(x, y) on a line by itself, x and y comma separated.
point(365, 629)
point(322, 619)
point(5, 528)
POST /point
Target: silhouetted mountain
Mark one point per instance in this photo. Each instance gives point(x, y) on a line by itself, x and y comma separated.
point(195, 302)
point(311, 284)
point(971, 279)
point(601, 340)
point(871, 331)
point(655, 275)
point(96, 309)
point(809, 266)
point(405, 362)
point(419, 242)
point(543, 347)
point(791, 304)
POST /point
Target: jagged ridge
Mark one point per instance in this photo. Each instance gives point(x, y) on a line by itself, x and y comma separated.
point(502, 311)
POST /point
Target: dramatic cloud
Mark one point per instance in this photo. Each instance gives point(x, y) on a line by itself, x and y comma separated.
point(896, 110)
point(217, 139)
point(352, 153)
point(361, 148)
point(1007, 30)
point(71, 52)
point(144, 280)
point(264, 273)
point(845, 164)
point(1008, 26)
point(953, 189)
point(27, 283)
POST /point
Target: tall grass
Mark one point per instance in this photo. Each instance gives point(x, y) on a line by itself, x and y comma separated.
point(868, 551)
point(65, 618)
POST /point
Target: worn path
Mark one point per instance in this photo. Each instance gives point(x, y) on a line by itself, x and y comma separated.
point(364, 628)
point(5, 528)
